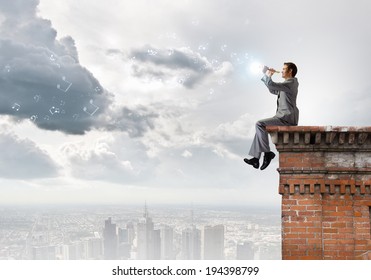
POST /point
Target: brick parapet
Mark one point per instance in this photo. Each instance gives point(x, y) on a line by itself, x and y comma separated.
point(330, 159)
point(325, 183)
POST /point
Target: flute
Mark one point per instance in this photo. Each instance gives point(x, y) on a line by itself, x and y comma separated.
point(266, 68)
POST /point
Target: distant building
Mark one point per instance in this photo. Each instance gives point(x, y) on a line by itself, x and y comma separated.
point(131, 233)
point(245, 251)
point(95, 249)
point(167, 243)
point(122, 235)
point(75, 251)
point(214, 242)
point(156, 244)
point(191, 244)
point(148, 241)
point(110, 243)
point(43, 253)
point(124, 248)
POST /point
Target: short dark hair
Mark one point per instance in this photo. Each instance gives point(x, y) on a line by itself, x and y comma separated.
point(292, 66)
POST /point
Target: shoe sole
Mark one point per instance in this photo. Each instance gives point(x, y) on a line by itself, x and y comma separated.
point(256, 167)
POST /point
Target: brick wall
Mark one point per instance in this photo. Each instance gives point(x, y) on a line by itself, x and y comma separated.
point(325, 179)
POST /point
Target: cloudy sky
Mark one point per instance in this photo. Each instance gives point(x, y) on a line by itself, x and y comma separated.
point(122, 101)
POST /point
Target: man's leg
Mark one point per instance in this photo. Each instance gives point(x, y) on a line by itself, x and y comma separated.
point(260, 143)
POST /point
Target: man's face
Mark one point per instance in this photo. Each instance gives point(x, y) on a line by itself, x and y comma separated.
point(286, 73)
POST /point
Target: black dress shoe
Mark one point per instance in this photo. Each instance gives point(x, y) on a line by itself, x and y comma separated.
point(253, 161)
point(268, 156)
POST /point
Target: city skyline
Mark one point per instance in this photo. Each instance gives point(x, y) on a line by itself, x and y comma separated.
point(134, 233)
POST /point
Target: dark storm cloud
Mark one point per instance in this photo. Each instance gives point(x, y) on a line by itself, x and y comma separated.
point(22, 159)
point(188, 66)
point(41, 78)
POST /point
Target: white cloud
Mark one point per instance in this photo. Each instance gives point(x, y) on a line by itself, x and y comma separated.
point(99, 160)
point(23, 159)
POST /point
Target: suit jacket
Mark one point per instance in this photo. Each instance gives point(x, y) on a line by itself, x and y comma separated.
point(286, 92)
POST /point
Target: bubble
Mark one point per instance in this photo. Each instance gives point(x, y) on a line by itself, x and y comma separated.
point(7, 68)
point(152, 52)
point(236, 59)
point(223, 47)
point(170, 35)
point(222, 82)
point(215, 64)
point(203, 47)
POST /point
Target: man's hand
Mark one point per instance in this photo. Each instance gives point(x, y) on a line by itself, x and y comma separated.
point(270, 72)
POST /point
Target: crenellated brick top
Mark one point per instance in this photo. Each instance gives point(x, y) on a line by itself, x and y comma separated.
point(319, 138)
point(323, 159)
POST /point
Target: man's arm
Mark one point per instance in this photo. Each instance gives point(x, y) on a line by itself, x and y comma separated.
point(273, 87)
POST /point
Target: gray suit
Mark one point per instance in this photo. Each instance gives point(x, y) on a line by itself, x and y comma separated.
point(287, 113)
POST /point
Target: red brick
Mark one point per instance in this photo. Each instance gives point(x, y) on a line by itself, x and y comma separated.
point(330, 230)
point(298, 229)
point(314, 230)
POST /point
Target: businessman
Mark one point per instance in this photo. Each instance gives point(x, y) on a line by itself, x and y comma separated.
point(287, 113)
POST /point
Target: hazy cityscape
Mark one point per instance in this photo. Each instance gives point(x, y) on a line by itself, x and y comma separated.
point(139, 233)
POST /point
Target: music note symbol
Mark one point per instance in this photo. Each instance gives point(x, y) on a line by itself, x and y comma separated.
point(33, 118)
point(91, 109)
point(53, 110)
point(16, 107)
point(65, 85)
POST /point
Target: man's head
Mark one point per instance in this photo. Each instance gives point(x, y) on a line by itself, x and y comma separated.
point(289, 70)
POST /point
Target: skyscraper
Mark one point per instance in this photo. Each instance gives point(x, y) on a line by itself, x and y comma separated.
point(146, 238)
point(95, 250)
point(110, 243)
point(214, 242)
point(191, 244)
point(167, 243)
